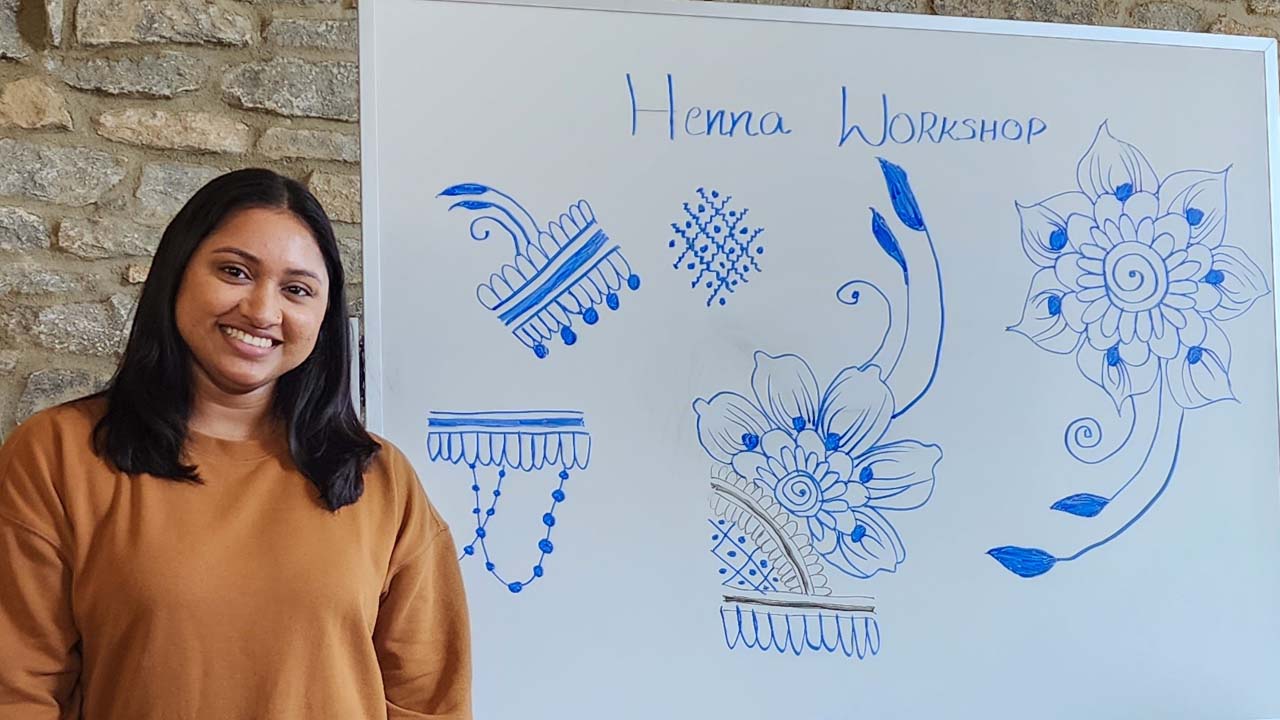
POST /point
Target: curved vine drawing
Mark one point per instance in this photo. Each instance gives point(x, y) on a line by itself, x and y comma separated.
point(564, 271)
point(1135, 280)
point(524, 441)
point(807, 477)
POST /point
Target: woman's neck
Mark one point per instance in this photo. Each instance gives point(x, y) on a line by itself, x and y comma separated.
point(232, 416)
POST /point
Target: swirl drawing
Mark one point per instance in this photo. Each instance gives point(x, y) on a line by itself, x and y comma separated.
point(511, 441)
point(807, 477)
point(561, 272)
point(1135, 280)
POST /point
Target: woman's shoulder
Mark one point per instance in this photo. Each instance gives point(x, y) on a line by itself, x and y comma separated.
point(392, 468)
point(67, 426)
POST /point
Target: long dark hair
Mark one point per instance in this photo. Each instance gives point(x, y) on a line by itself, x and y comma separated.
point(149, 397)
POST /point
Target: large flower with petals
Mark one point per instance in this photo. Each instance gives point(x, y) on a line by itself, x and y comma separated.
point(1135, 277)
point(821, 455)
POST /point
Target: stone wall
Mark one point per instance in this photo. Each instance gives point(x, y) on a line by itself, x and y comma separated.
point(113, 111)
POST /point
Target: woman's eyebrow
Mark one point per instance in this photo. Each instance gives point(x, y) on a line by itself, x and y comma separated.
point(251, 258)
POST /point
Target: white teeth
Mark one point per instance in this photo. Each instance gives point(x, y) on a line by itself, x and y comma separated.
point(246, 338)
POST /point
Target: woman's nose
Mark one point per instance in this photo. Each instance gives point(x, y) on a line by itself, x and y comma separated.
point(261, 307)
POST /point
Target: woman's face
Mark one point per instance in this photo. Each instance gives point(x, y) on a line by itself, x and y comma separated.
point(252, 299)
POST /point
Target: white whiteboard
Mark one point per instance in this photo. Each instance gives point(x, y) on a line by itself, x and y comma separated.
point(771, 443)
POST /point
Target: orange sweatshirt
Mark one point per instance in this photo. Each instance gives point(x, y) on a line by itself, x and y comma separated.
point(140, 598)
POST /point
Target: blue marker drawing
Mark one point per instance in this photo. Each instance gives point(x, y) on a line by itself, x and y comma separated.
point(807, 476)
point(560, 273)
point(524, 441)
point(1134, 279)
point(716, 244)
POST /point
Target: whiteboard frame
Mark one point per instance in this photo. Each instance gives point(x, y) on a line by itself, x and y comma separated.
point(369, 167)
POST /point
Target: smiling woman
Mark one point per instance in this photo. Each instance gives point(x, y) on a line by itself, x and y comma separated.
point(216, 535)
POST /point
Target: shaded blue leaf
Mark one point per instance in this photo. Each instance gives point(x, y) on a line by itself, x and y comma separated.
point(465, 189)
point(1026, 562)
point(1200, 375)
point(473, 205)
point(1239, 279)
point(1081, 504)
point(1114, 167)
point(887, 241)
point(904, 201)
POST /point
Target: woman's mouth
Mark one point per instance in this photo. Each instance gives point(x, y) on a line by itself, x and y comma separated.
point(252, 345)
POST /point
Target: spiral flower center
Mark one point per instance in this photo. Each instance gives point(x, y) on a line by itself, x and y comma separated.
point(799, 493)
point(1135, 276)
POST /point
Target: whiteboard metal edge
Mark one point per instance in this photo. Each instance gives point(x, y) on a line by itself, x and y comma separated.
point(369, 220)
point(1272, 78)
point(901, 21)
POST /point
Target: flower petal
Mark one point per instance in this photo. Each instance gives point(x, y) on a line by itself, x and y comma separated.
point(1045, 225)
point(1042, 322)
point(1144, 328)
point(775, 444)
point(825, 541)
point(1241, 284)
point(1128, 326)
point(841, 464)
point(1173, 316)
point(1107, 370)
point(878, 547)
point(1179, 232)
point(728, 424)
point(1135, 353)
point(1180, 302)
point(1098, 338)
point(842, 518)
point(1092, 252)
point(1193, 333)
point(1073, 312)
point(1080, 225)
point(1201, 198)
point(855, 410)
point(1111, 321)
point(786, 390)
point(1165, 345)
point(1207, 297)
point(1110, 165)
point(1068, 270)
point(1200, 376)
point(1091, 294)
point(1107, 209)
point(1147, 230)
point(899, 475)
point(1095, 310)
point(1141, 205)
point(812, 444)
point(754, 466)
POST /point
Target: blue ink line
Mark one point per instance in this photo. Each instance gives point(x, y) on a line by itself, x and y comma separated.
point(942, 322)
point(551, 261)
point(570, 266)
point(1172, 466)
point(508, 423)
point(489, 413)
point(577, 281)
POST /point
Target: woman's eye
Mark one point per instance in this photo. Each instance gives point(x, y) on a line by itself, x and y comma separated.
point(234, 271)
point(299, 290)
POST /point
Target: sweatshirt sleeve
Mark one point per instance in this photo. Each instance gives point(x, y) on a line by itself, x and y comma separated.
point(39, 676)
point(422, 636)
